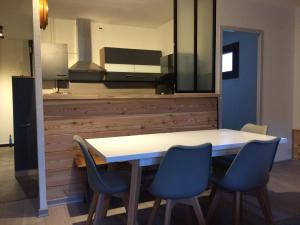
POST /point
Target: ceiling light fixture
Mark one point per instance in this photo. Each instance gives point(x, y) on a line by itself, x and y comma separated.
point(1, 32)
point(43, 14)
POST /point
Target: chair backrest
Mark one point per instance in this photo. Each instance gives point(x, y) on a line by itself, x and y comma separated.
point(94, 175)
point(184, 172)
point(251, 167)
point(254, 128)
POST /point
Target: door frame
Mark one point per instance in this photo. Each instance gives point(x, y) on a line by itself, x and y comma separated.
point(259, 70)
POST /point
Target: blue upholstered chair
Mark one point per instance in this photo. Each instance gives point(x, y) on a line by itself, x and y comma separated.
point(182, 176)
point(222, 163)
point(249, 173)
point(104, 185)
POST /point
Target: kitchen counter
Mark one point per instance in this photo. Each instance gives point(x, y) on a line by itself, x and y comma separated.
point(56, 96)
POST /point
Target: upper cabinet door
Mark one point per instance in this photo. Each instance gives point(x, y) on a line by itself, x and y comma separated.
point(195, 25)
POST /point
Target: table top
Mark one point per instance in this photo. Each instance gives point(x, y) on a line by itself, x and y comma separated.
point(146, 146)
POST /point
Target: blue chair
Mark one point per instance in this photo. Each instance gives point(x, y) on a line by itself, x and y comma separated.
point(104, 185)
point(221, 164)
point(182, 176)
point(249, 173)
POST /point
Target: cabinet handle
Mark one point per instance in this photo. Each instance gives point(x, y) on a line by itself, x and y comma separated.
point(24, 125)
point(135, 76)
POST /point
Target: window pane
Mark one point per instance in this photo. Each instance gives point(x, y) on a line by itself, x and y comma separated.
point(185, 45)
point(227, 62)
point(205, 49)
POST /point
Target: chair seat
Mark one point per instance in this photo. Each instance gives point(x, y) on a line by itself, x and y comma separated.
point(218, 180)
point(118, 181)
point(224, 161)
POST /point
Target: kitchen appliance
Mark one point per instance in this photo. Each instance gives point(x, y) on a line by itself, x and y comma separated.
point(85, 70)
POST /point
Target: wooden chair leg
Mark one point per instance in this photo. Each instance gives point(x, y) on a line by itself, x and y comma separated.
point(241, 207)
point(92, 208)
point(237, 208)
point(125, 198)
point(189, 214)
point(105, 207)
point(99, 209)
point(168, 212)
point(263, 199)
point(154, 211)
point(213, 206)
point(198, 211)
point(212, 193)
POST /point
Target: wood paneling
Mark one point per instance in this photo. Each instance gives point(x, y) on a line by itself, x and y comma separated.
point(296, 144)
point(107, 118)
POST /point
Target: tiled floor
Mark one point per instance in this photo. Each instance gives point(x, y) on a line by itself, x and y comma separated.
point(284, 189)
point(12, 189)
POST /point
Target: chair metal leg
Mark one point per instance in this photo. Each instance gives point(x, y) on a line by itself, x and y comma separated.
point(99, 209)
point(263, 199)
point(198, 211)
point(92, 208)
point(168, 212)
point(213, 206)
point(154, 211)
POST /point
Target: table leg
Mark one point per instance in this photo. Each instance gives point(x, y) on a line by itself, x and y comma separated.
point(135, 183)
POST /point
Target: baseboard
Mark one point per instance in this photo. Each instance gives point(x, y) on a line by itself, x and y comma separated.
point(43, 213)
point(6, 145)
point(65, 200)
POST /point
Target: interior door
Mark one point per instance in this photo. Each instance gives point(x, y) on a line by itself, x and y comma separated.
point(239, 79)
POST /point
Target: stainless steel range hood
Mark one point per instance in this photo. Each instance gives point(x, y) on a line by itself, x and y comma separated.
point(85, 70)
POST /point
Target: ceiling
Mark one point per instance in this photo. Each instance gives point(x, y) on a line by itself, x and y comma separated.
point(281, 3)
point(142, 13)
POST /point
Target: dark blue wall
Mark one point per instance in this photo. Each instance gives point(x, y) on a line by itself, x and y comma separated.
point(239, 95)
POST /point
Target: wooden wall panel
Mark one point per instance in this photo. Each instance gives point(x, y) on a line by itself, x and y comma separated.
point(296, 144)
point(127, 107)
point(107, 118)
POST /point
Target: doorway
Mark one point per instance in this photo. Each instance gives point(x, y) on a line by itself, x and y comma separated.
point(18, 183)
point(240, 78)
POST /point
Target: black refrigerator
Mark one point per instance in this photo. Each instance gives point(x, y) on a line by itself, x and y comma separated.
point(25, 141)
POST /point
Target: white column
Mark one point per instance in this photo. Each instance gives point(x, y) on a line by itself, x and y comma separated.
point(43, 207)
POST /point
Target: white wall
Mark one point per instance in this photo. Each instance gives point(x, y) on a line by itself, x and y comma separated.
point(122, 37)
point(16, 17)
point(278, 50)
point(14, 60)
point(165, 37)
point(64, 31)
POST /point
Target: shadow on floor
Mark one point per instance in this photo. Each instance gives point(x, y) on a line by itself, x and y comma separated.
point(285, 206)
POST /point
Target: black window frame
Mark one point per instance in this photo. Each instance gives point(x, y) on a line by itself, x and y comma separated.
point(214, 14)
point(233, 48)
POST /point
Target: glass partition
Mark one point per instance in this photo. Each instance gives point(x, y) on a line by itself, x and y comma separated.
point(205, 46)
point(185, 45)
point(195, 45)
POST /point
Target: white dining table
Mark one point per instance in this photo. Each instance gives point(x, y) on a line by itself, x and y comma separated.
point(148, 149)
